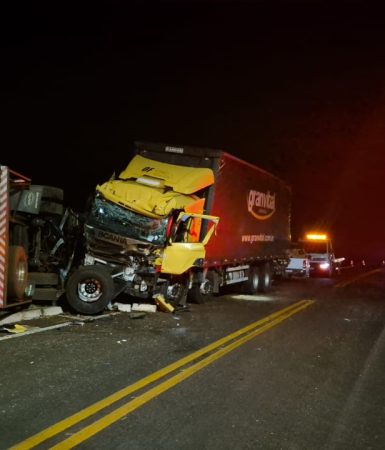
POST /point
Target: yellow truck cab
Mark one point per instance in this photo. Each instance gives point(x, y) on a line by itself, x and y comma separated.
point(181, 222)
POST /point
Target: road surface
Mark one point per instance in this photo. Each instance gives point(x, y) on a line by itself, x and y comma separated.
point(300, 368)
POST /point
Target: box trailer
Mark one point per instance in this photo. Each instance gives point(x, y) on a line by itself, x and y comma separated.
point(182, 222)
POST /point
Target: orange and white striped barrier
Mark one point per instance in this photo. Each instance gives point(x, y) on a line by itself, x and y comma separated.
point(4, 211)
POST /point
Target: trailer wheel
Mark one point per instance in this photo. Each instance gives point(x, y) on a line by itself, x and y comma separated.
point(90, 289)
point(195, 295)
point(200, 293)
point(50, 192)
point(176, 293)
point(17, 272)
point(51, 207)
point(265, 278)
point(19, 236)
point(51, 199)
point(251, 286)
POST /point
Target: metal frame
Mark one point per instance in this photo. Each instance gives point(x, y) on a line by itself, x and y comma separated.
point(8, 179)
point(4, 225)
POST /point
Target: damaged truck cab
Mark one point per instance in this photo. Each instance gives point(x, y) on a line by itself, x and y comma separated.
point(181, 222)
point(145, 234)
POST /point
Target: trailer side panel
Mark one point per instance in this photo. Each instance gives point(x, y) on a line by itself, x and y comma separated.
point(254, 211)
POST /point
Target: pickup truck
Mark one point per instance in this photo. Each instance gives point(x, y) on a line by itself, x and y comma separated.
point(299, 264)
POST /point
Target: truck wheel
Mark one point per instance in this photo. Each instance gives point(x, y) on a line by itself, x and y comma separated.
point(177, 291)
point(265, 278)
point(251, 286)
point(200, 293)
point(90, 289)
point(50, 192)
point(19, 236)
point(51, 199)
point(17, 272)
point(51, 207)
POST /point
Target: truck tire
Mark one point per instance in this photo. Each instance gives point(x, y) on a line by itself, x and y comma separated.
point(202, 292)
point(51, 207)
point(17, 272)
point(195, 295)
point(19, 236)
point(50, 192)
point(251, 286)
point(51, 199)
point(176, 293)
point(265, 278)
point(90, 289)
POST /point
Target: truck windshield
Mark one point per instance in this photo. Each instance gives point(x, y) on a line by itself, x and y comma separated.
point(108, 216)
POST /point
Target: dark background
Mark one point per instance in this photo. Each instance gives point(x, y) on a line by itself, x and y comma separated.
point(296, 88)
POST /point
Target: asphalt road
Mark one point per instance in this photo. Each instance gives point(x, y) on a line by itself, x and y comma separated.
point(306, 373)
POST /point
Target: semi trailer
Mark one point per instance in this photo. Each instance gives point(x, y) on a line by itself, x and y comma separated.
point(181, 222)
point(38, 236)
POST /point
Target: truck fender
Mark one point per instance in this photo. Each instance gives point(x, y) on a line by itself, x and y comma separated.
point(265, 277)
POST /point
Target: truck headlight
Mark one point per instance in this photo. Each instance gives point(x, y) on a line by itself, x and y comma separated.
point(324, 266)
point(143, 286)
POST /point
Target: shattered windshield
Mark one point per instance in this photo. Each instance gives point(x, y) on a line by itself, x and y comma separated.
point(108, 216)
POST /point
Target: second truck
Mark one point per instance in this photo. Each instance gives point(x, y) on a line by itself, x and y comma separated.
point(181, 223)
point(319, 249)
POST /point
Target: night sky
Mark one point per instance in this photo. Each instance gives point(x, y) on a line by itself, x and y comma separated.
point(296, 88)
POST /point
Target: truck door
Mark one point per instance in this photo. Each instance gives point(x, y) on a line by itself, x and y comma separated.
point(185, 249)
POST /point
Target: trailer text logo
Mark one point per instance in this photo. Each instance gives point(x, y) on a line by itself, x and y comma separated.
point(261, 205)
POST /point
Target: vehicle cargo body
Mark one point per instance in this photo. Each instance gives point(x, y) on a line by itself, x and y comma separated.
point(163, 188)
point(37, 240)
point(249, 226)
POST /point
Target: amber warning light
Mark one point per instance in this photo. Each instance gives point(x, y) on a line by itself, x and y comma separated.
point(316, 237)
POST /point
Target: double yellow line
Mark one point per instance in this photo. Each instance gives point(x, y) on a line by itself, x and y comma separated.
point(213, 351)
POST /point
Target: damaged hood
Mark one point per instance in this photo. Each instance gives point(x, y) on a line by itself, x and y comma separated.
point(155, 189)
point(181, 179)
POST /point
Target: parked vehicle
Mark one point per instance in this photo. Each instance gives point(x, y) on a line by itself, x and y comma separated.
point(319, 249)
point(37, 240)
point(299, 263)
point(182, 222)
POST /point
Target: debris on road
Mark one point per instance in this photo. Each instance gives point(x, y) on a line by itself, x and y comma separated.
point(33, 330)
point(30, 313)
point(162, 304)
point(143, 307)
point(14, 328)
point(122, 307)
